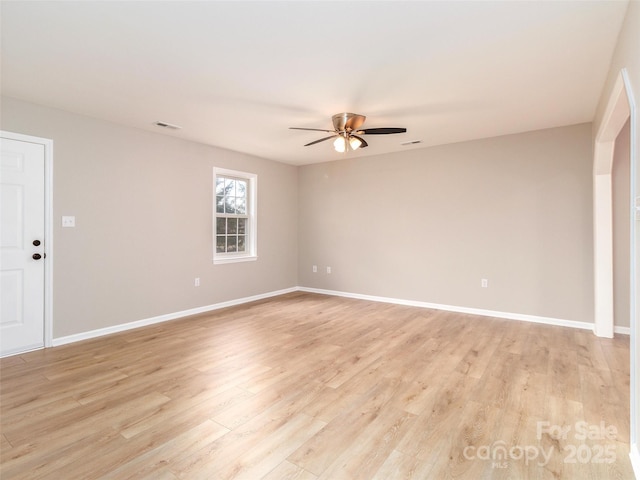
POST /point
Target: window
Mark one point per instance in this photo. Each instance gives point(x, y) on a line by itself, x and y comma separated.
point(234, 222)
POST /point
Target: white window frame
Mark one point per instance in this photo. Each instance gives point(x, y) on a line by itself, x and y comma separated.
point(251, 253)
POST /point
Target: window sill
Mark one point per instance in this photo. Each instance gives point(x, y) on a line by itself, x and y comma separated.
point(234, 259)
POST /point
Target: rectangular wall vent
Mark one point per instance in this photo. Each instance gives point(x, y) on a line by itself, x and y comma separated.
point(167, 125)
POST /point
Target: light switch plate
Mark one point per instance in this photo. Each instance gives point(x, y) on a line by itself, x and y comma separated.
point(68, 221)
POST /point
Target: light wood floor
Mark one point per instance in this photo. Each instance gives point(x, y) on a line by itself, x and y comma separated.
point(308, 387)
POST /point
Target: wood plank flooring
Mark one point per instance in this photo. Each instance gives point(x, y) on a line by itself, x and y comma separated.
point(314, 387)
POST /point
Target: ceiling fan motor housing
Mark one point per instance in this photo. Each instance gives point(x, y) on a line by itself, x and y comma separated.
point(348, 122)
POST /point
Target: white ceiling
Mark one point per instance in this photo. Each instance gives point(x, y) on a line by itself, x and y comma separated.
point(238, 74)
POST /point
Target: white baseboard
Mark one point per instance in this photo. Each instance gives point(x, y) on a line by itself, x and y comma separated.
point(474, 311)
point(622, 330)
point(413, 303)
point(164, 318)
point(634, 454)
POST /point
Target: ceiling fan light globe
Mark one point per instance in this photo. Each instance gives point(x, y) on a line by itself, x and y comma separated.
point(355, 143)
point(340, 144)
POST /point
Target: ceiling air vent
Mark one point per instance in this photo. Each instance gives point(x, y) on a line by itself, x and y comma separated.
point(170, 126)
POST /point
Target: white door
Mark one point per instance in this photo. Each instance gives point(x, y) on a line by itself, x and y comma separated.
point(22, 197)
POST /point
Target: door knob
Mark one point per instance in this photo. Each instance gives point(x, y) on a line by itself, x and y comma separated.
point(36, 256)
point(36, 243)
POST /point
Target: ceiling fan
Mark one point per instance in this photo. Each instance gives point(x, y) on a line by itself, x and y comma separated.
point(347, 131)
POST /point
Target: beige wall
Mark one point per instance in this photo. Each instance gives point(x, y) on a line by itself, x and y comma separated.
point(621, 228)
point(143, 211)
point(427, 225)
point(423, 225)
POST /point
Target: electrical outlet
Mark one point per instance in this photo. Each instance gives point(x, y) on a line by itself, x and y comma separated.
point(328, 270)
point(484, 283)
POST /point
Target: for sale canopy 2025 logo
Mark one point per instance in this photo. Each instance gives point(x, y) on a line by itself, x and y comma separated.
point(500, 454)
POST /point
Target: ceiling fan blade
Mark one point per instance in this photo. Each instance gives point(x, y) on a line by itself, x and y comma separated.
point(310, 129)
point(381, 131)
point(321, 140)
point(362, 142)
